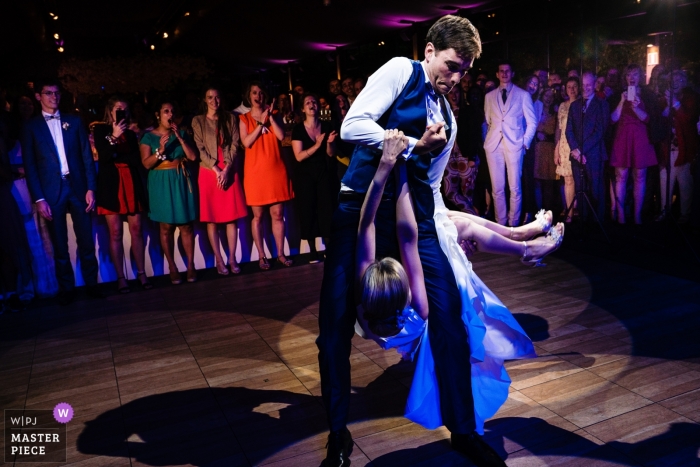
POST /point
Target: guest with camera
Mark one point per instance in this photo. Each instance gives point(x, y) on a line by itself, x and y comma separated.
point(120, 190)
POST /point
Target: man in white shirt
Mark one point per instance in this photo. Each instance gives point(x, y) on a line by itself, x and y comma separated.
point(61, 177)
point(506, 108)
point(409, 96)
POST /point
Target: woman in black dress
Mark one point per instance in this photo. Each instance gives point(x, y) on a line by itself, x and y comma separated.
point(120, 188)
point(313, 142)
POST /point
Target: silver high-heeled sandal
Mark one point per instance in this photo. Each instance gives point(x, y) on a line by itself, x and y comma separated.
point(553, 236)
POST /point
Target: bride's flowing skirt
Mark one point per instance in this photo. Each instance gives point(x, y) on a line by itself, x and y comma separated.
point(494, 336)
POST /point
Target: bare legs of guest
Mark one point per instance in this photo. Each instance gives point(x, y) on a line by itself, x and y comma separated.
point(277, 218)
point(167, 242)
point(116, 249)
point(569, 194)
point(639, 177)
point(231, 240)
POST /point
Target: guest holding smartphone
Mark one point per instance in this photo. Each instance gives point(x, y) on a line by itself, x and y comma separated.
point(120, 190)
point(631, 146)
point(221, 199)
point(164, 153)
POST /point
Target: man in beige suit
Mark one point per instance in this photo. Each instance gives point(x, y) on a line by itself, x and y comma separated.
point(511, 121)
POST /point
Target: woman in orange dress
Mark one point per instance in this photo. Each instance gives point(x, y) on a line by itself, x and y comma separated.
point(265, 180)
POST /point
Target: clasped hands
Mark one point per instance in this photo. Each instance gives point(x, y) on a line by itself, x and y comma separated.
point(578, 157)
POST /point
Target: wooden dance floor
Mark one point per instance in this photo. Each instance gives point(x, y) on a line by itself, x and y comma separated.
point(224, 372)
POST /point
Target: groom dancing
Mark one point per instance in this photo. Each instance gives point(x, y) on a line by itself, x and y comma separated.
point(409, 96)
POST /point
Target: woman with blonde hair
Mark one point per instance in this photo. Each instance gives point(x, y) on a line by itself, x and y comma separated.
point(394, 304)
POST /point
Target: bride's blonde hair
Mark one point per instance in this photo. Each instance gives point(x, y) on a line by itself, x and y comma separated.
point(385, 294)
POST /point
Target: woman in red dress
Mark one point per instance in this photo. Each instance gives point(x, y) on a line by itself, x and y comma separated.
point(631, 146)
point(120, 188)
point(221, 199)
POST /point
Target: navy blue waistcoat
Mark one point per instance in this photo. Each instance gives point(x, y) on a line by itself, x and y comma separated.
point(408, 113)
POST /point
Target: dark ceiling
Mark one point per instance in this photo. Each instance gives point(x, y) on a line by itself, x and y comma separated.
point(261, 34)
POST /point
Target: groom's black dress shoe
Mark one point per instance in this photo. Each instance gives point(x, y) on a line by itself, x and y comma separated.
point(476, 450)
point(339, 449)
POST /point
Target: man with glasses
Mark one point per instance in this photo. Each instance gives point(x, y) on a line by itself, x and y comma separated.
point(61, 177)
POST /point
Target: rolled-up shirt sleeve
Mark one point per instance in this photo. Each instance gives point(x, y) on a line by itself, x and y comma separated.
point(383, 87)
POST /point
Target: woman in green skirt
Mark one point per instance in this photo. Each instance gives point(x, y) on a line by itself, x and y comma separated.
point(164, 153)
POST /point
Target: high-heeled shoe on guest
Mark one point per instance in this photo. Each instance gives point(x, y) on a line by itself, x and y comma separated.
point(221, 268)
point(175, 277)
point(143, 280)
point(554, 238)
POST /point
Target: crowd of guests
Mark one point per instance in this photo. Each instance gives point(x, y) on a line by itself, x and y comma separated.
point(519, 149)
point(541, 143)
point(212, 165)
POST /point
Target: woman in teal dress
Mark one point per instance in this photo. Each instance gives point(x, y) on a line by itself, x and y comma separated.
point(164, 153)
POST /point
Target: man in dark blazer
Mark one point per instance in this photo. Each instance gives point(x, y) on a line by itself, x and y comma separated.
point(585, 132)
point(61, 177)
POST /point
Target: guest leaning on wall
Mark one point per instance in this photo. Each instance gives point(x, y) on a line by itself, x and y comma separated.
point(171, 199)
point(221, 199)
point(120, 190)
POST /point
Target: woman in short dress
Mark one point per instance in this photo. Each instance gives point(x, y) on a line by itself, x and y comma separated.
point(562, 149)
point(120, 190)
point(164, 153)
point(266, 183)
point(221, 198)
point(631, 146)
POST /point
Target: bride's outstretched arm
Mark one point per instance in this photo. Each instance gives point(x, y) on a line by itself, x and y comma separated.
point(407, 233)
point(365, 251)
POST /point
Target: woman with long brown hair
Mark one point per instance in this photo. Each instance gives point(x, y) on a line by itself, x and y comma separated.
point(221, 199)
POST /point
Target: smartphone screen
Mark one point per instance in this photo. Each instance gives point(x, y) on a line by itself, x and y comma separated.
point(631, 93)
point(121, 115)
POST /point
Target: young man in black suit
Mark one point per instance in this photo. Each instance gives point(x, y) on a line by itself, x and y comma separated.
point(61, 178)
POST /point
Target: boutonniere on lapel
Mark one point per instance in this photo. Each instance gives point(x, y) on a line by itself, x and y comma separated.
point(65, 126)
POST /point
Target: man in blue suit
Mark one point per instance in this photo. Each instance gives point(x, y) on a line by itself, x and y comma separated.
point(61, 177)
point(409, 96)
point(585, 131)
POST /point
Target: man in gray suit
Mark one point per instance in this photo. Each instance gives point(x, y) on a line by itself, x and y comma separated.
point(61, 178)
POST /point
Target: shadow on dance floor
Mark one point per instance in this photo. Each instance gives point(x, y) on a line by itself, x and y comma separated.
point(200, 426)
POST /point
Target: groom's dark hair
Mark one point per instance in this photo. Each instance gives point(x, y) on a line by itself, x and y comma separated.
point(454, 32)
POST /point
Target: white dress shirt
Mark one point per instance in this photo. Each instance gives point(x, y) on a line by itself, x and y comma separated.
point(383, 88)
point(54, 125)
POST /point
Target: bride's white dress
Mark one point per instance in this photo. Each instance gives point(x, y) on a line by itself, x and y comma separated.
point(494, 334)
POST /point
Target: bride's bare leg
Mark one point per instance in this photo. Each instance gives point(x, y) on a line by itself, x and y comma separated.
point(523, 232)
point(490, 241)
